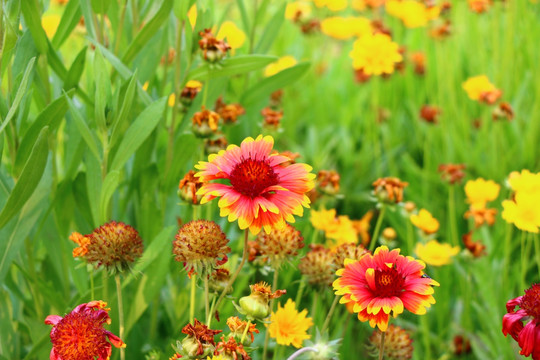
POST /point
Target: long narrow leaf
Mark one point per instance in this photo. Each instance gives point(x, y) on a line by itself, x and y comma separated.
point(233, 66)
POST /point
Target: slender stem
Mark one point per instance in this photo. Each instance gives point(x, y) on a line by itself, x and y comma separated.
point(252, 35)
point(92, 283)
point(205, 92)
point(410, 236)
point(426, 337)
point(314, 307)
point(267, 335)
point(377, 229)
point(105, 292)
point(452, 215)
point(135, 15)
point(192, 299)
point(206, 297)
point(537, 252)
point(300, 292)
point(120, 314)
point(211, 311)
point(381, 346)
point(118, 36)
point(245, 331)
point(507, 254)
point(302, 351)
point(235, 275)
point(523, 260)
point(330, 313)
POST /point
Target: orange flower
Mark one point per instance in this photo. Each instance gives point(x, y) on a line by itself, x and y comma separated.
point(430, 113)
point(213, 49)
point(481, 89)
point(188, 186)
point(453, 173)
point(238, 326)
point(481, 216)
point(262, 193)
point(328, 181)
point(389, 189)
point(205, 122)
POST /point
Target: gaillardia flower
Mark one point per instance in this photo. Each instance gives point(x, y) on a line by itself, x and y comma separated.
point(263, 193)
point(527, 336)
point(80, 334)
point(288, 326)
point(114, 245)
point(383, 284)
point(199, 341)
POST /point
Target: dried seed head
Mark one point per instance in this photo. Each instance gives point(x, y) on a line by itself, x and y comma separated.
point(328, 182)
point(348, 251)
point(397, 343)
point(279, 245)
point(214, 50)
point(389, 189)
point(318, 266)
point(188, 186)
point(205, 123)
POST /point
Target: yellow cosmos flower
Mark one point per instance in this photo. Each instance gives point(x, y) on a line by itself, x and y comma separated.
point(282, 63)
point(297, 7)
point(523, 212)
point(192, 15)
point(412, 13)
point(478, 85)
point(346, 27)
point(234, 36)
point(425, 221)
point(50, 24)
point(333, 5)
point(375, 54)
point(288, 326)
point(480, 191)
point(436, 254)
point(525, 181)
point(341, 231)
point(322, 219)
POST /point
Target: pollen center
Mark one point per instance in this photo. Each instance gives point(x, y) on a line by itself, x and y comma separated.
point(388, 282)
point(530, 302)
point(251, 177)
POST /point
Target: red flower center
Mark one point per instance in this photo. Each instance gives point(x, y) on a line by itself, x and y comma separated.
point(389, 282)
point(530, 302)
point(251, 177)
point(80, 336)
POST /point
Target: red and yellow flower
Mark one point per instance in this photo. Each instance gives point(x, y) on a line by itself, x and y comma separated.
point(263, 192)
point(384, 284)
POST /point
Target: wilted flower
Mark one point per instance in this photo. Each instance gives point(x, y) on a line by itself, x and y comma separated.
point(398, 344)
point(389, 189)
point(318, 265)
point(436, 254)
point(188, 187)
point(442, 31)
point(271, 118)
point(228, 112)
point(481, 216)
point(384, 284)
point(418, 58)
point(215, 144)
point(80, 334)
point(262, 193)
point(461, 345)
point(453, 173)
point(328, 182)
point(479, 6)
point(189, 92)
point(231, 350)
point(199, 341)
point(280, 245)
point(256, 305)
point(425, 222)
point(526, 335)
point(281, 64)
point(476, 248)
point(504, 110)
point(213, 49)
point(201, 246)
point(238, 326)
point(205, 123)
point(481, 89)
point(218, 280)
point(430, 113)
point(376, 54)
point(288, 326)
point(114, 246)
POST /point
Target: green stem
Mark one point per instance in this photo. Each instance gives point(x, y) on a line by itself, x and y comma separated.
point(192, 299)
point(381, 346)
point(410, 236)
point(300, 292)
point(330, 313)
point(523, 260)
point(206, 297)
point(537, 252)
point(235, 275)
point(92, 283)
point(246, 331)
point(452, 214)
point(205, 93)
point(118, 36)
point(267, 335)
point(211, 311)
point(507, 253)
point(120, 314)
point(377, 229)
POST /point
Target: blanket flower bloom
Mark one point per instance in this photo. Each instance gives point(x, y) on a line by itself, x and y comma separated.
point(513, 321)
point(384, 284)
point(263, 192)
point(288, 326)
point(80, 334)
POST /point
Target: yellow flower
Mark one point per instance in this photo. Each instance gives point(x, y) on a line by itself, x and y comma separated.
point(215, 357)
point(235, 36)
point(375, 54)
point(436, 254)
point(480, 191)
point(346, 27)
point(341, 231)
point(192, 15)
point(425, 221)
point(282, 63)
point(333, 5)
point(523, 212)
point(358, 5)
point(288, 326)
point(172, 100)
point(296, 8)
point(478, 85)
point(412, 13)
point(525, 181)
point(323, 219)
point(50, 24)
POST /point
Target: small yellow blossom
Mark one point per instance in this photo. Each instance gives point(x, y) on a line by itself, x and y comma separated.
point(358, 5)
point(376, 54)
point(322, 219)
point(436, 254)
point(478, 85)
point(346, 27)
point(234, 36)
point(412, 13)
point(281, 64)
point(296, 8)
point(480, 191)
point(288, 326)
point(525, 181)
point(425, 221)
point(333, 5)
point(341, 231)
point(192, 15)
point(172, 100)
point(50, 24)
point(523, 211)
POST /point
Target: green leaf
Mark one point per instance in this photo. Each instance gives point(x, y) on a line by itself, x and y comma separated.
point(100, 6)
point(30, 177)
point(148, 31)
point(107, 190)
point(50, 116)
point(267, 86)
point(234, 66)
point(32, 19)
point(75, 71)
point(70, 19)
point(103, 87)
point(83, 128)
point(86, 10)
point(271, 30)
point(135, 135)
point(20, 93)
point(93, 188)
point(243, 15)
point(119, 120)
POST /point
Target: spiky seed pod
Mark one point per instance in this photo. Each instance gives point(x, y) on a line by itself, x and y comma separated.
point(318, 266)
point(397, 343)
point(280, 245)
point(348, 251)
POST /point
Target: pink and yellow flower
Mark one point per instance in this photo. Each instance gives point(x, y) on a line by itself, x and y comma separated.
point(263, 191)
point(80, 334)
point(384, 284)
